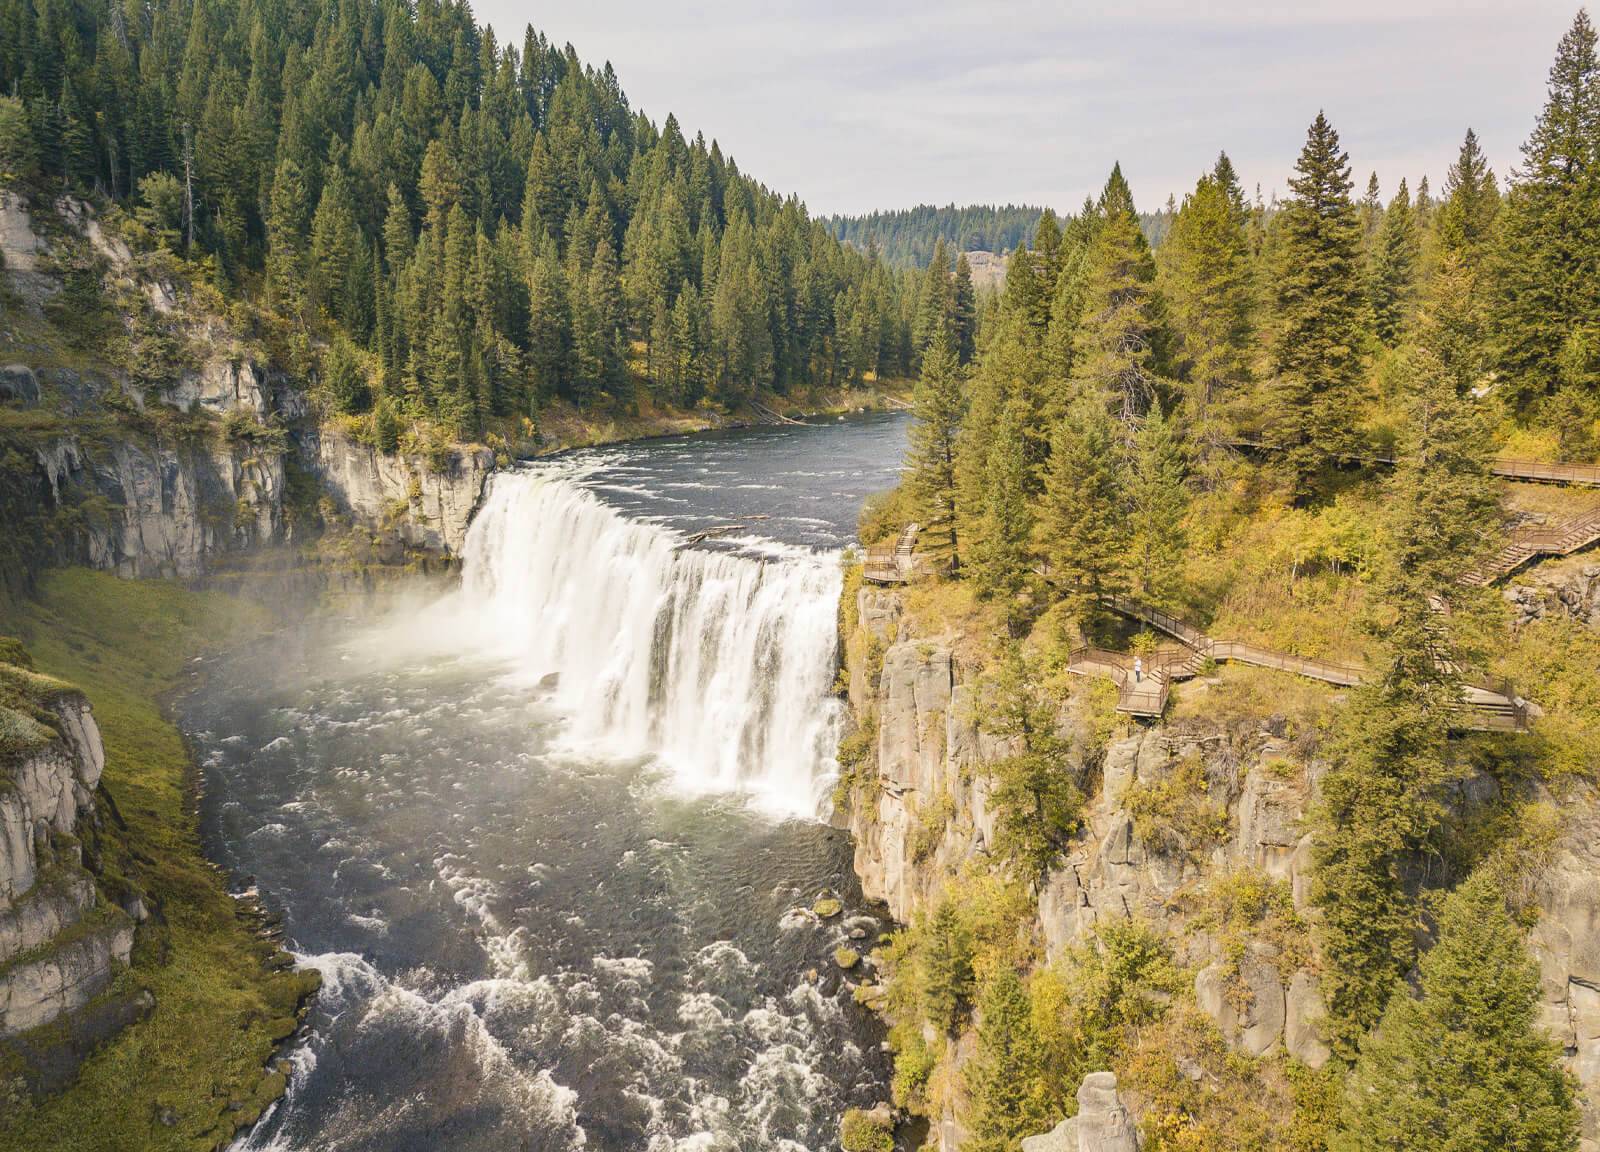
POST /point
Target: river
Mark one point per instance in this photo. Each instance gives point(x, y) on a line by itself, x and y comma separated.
point(553, 839)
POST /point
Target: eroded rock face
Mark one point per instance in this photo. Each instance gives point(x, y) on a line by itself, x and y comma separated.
point(59, 945)
point(223, 386)
point(48, 909)
point(1570, 588)
point(1101, 1125)
point(18, 385)
point(35, 992)
point(45, 791)
point(19, 243)
point(426, 508)
point(1566, 942)
point(166, 510)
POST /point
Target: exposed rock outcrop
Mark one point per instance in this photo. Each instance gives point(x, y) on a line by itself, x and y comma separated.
point(1101, 1125)
point(153, 509)
point(1565, 588)
point(61, 944)
point(424, 507)
point(1566, 942)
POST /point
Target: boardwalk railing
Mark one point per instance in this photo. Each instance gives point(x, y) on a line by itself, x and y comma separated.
point(1525, 544)
point(1483, 708)
point(892, 561)
point(1586, 475)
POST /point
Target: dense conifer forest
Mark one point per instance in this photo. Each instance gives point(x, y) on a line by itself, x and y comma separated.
point(906, 238)
point(434, 223)
point(1279, 423)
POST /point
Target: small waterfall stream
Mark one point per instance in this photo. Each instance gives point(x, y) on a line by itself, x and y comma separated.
point(716, 662)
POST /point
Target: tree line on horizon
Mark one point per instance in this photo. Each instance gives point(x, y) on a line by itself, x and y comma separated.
point(908, 237)
point(432, 222)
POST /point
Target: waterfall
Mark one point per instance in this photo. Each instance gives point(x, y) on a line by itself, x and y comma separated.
point(716, 663)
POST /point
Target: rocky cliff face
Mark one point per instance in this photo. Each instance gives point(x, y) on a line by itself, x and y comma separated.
point(1175, 813)
point(61, 941)
point(164, 478)
point(419, 505)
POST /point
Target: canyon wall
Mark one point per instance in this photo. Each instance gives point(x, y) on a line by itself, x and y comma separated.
point(1172, 809)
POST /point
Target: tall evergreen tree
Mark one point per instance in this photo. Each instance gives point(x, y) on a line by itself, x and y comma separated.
point(1383, 793)
point(1115, 344)
point(1320, 309)
point(1005, 1078)
point(1547, 300)
point(1209, 287)
point(998, 552)
point(1082, 508)
point(1471, 202)
point(1157, 504)
point(1392, 267)
point(938, 406)
point(1464, 1066)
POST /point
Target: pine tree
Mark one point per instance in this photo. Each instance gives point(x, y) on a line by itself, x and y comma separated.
point(1392, 267)
point(1210, 289)
point(1114, 347)
point(938, 406)
point(1383, 793)
point(1442, 515)
point(335, 241)
point(998, 554)
point(1320, 309)
point(1005, 1078)
point(964, 307)
point(1035, 799)
point(1082, 508)
point(947, 980)
point(1547, 300)
point(1472, 199)
point(1157, 505)
point(1465, 1065)
point(1371, 212)
point(286, 233)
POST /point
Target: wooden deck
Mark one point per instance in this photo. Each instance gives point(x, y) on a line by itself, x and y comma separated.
point(1484, 708)
point(892, 561)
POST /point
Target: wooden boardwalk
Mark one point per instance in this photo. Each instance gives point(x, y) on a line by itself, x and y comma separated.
point(891, 561)
point(1526, 544)
point(1483, 708)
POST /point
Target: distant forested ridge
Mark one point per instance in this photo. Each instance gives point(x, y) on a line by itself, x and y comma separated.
point(906, 237)
point(431, 223)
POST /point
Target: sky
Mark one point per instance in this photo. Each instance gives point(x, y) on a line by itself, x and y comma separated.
point(876, 105)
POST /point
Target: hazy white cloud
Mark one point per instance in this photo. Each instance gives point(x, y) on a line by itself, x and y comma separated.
point(868, 105)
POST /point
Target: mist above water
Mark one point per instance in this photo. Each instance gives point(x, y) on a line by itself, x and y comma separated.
point(514, 827)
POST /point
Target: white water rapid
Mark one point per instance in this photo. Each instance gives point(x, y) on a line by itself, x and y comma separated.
point(718, 663)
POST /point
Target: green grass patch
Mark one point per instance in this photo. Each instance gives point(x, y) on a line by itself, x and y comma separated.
point(188, 1076)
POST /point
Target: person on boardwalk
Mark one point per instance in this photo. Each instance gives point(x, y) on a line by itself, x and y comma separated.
point(1138, 669)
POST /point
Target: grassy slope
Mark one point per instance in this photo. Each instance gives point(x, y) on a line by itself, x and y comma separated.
point(182, 1079)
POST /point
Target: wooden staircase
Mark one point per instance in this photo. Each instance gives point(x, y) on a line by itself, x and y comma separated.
point(1525, 544)
point(892, 561)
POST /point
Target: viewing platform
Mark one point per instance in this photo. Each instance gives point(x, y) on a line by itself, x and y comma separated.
point(1483, 708)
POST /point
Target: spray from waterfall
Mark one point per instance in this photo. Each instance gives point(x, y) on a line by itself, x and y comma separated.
point(716, 663)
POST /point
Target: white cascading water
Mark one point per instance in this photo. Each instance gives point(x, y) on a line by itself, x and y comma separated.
point(717, 663)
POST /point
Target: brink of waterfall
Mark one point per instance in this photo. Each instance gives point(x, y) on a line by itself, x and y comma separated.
point(716, 662)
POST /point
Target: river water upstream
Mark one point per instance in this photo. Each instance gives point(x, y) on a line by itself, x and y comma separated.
point(554, 839)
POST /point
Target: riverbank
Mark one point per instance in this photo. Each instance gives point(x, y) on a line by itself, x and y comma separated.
point(563, 426)
point(202, 1064)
